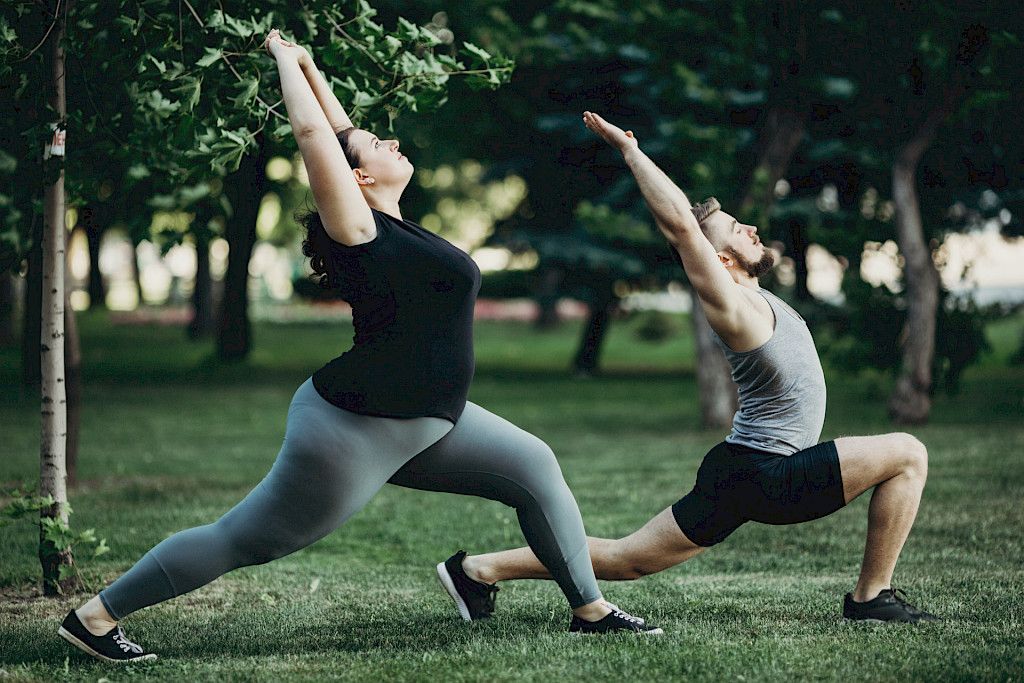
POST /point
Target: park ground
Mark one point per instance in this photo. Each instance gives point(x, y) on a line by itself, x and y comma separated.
point(172, 440)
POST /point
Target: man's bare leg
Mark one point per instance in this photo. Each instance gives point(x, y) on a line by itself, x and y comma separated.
point(657, 545)
point(897, 466)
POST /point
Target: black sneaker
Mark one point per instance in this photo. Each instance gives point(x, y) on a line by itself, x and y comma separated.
point(614, 622)
point(475, 600)
point(112, 646)
point(890, 605)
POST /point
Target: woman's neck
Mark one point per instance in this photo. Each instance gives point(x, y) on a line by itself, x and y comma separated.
point(384, 202)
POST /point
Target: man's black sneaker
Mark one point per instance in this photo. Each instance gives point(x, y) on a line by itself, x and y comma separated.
point(614, 622)
point(112, 646)
point(475, 600)
point(890, 605)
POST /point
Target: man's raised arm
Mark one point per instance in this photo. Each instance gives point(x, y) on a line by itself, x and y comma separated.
point(674, 215)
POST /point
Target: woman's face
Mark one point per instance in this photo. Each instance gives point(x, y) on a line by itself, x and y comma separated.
point(380, 160)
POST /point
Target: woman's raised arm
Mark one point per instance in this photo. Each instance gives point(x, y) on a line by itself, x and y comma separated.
point(335, 113)
point(343, 209)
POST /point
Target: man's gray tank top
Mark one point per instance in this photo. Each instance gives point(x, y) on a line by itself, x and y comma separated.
point(781, 387)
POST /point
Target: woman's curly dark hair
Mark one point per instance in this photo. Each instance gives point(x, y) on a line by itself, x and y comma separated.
point(317, 244)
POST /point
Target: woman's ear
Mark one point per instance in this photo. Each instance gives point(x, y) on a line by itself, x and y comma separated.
point(361, 177)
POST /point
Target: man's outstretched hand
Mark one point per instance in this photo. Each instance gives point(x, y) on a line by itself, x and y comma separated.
point(613, 135)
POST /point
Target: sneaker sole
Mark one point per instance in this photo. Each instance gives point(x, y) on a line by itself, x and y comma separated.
point(870, 622)
point(68, 636)
point(446, 580)
point(652, 632)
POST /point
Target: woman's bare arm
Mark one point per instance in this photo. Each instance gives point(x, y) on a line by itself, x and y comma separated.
point(343, 209)
point(335, 113)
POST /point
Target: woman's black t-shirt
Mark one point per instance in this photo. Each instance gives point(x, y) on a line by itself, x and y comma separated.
point(412, 295)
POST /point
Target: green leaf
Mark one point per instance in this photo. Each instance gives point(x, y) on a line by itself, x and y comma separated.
point(394, 45)
point(363, 99)
point(476, 51)
point(211, 56)
point(7, 34)
point(193, 99)
point(248, 92)
point(237, 27)
point(408, 30)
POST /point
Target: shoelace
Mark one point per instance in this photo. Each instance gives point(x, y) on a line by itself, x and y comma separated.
point(627, 617)
point(125, 644)
point(900, 596)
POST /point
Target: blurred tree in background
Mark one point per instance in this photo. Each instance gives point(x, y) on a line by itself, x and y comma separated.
point(794, 116)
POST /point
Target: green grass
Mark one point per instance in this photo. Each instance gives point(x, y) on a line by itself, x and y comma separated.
point(171, 440)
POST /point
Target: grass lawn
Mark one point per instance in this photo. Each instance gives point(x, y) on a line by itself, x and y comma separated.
point(170, 440)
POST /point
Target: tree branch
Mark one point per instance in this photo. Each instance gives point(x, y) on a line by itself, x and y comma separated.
point(193, 11)
point(31, 52)
point(270, 108)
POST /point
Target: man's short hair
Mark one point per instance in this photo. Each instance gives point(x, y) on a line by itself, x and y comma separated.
point(701, 210)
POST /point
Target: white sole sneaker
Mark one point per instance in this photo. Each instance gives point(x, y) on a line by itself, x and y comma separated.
point(68, 636)
point(449, 586)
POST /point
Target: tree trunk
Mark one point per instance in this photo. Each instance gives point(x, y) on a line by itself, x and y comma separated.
point(31, 312)
point(6, 310)
point(784, 128)
point(548, 285)
point(798, 248)
point(718, 397)
point(594, 332)
point(202, 322)
point(94, 235)
point(244, 190)
point(53, 432)
point(136, 272)
point(910, 402)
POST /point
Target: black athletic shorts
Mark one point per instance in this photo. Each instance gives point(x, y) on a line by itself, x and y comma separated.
point(737, 484)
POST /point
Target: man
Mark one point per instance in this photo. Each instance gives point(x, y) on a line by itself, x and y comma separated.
point(770, 469)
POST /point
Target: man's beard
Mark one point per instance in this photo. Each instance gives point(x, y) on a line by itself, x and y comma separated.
point(755, 269)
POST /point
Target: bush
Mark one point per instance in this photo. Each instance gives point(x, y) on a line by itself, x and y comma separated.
point(657, 326)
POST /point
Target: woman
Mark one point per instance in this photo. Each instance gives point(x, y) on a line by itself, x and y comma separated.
point(393, 408)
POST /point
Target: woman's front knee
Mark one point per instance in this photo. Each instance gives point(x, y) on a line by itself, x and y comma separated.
point(537, 478)
point(539, 464)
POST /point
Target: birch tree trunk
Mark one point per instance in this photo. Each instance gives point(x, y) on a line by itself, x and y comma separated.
point(53, 432)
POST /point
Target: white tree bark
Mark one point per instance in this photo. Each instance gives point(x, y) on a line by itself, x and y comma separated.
point(53, 431)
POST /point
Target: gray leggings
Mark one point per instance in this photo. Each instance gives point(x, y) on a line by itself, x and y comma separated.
point(330, 465)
